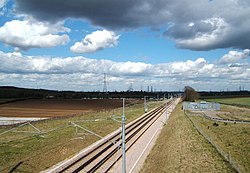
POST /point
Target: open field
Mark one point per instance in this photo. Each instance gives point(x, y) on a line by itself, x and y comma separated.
point(58, 107)
point(180, 148)
point(31, 152)
point(242, 101)
point(233, 139)
point(234, 113)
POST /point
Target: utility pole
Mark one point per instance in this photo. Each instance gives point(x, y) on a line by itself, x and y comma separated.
point(130, 89)
point(123, 139)
point(105, 89)
point(145, 104)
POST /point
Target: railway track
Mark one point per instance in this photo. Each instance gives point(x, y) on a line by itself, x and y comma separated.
point(102, 157)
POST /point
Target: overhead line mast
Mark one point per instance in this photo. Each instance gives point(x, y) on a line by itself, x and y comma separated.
point(105, 89)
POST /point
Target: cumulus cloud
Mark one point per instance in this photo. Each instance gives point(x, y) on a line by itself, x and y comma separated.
point(207, 27)
point(26, 34)
point(18, 63)
point(199, 25)
point(206, 34)
point(95, 41)
point(236, 65)
point(81, 72)
point(234, 56)
point(132, 68)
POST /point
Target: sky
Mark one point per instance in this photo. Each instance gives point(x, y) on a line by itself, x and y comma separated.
point(71, 44)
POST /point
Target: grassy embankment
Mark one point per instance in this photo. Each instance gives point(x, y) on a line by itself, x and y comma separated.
point(180, 148)
point(33, 153)
point(233, 139)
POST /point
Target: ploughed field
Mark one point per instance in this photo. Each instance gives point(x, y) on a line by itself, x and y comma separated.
point(59, 107)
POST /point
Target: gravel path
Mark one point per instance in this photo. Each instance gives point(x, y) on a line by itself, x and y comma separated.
point(212, 115)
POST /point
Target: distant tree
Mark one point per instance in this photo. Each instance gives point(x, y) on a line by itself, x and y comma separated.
point(190, 94)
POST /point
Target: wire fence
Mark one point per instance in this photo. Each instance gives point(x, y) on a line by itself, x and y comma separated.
point(23, 130)
point(226, 120)
point(226, 155)
point(200, 106)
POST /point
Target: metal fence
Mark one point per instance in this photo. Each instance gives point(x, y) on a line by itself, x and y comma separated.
point(201, 106)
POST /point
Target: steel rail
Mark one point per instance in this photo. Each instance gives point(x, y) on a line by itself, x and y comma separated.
point(97, 156)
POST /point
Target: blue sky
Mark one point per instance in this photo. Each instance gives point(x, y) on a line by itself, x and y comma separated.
point(66, 45)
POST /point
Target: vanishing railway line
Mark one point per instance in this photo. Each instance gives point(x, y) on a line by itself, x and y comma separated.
point(102, 157)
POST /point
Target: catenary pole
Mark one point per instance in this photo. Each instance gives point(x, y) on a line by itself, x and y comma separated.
point(123, 140)
point(145, 104)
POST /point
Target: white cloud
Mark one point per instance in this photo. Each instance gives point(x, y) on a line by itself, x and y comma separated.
point(216, 32)
point(28, 34)
point(95, 41)
point(87, 74)
point(131, 68)
point(236, 65)
point(18, 63)
point(234, 56)
point(189, 65)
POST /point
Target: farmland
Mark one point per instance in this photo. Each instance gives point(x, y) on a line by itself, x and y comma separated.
point(242, 101)
point(58, 107)
point(234, 113)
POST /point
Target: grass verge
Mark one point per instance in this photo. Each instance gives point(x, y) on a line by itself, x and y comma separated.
point(27, 152)
point(180, 148)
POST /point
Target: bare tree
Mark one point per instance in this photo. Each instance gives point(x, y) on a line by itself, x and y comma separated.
point(190, 94)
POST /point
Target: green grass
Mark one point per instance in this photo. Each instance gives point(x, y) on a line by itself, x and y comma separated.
point(234, 113)
point(34, 153)
point(231, 138)
point(243, 101)
point(180, 148)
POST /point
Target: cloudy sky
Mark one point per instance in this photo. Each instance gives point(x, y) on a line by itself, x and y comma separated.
point(70, 44)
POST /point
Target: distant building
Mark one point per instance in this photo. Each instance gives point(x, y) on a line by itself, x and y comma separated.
point(201, 106)
point(50, 97)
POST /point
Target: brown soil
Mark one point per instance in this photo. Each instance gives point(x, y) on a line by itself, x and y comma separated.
point(58, 107)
